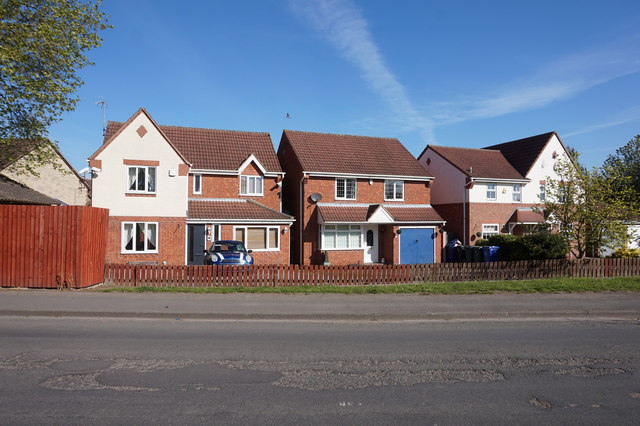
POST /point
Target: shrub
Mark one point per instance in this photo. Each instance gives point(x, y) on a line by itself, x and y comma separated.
point(626, 253)
point(482, 242)
point(545, 245)
point(538, 246)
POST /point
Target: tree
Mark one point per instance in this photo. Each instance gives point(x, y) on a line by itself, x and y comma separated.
point(43, 45)
point(626, 161)
point(587, 207)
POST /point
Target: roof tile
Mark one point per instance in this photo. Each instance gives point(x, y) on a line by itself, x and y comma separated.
point(233, 210)
point(478, 163)
point(349, 154)
point(213, 149)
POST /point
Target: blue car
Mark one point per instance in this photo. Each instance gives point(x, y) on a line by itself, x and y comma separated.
point(227, 252)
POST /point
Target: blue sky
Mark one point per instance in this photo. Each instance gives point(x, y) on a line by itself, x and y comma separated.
point(454, 73)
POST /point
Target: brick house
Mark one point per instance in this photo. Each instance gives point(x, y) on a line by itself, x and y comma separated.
point(357, 199)
point(482, 192)
point(55, 178)
point(171, 191)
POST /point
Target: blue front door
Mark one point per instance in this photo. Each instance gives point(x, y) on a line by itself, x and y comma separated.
point(417, 245)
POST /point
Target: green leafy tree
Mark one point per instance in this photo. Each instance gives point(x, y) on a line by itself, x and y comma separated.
point(43, 45)
point(587, 207)
point(626, 161)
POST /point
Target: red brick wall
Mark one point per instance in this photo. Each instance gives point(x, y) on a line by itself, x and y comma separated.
point(480, 213)
point(477, 214)
point(223, 186)
point(171, 240)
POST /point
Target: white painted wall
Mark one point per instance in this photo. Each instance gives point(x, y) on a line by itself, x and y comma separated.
point(542, 169)
point(110, 185)
point(448, 185)
point(504, 193)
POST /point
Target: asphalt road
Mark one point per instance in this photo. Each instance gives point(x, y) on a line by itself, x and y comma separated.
point(170, 371)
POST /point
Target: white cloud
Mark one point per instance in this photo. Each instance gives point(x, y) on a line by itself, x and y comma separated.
point(628, 116)
point(558, 80)
point(343, 25)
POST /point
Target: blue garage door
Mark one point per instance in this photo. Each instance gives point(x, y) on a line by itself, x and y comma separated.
point(416, 245)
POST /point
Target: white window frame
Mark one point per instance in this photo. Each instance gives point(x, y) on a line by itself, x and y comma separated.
point(494, 190)
point(146, 180)
point(267, 228)
point(489, 229)
point(345, 182)
point(351, 231)
point(245, 181)
point(398, 190)
point(543, 192)
point(516, 196)
point(197, 184)
point(124, 240)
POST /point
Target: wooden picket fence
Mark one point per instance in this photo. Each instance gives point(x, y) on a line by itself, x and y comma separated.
point(119, 275)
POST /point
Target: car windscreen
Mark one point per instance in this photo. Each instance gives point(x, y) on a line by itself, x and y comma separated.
point(230, 246)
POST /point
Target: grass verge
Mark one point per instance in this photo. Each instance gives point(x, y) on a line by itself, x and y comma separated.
point(552, 285)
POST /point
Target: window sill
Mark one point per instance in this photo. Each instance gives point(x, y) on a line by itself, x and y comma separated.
point(133, 194)
point(139, 252)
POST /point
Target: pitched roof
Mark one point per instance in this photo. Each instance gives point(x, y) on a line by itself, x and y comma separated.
point(361, 214)
point(478, 163)
point(12, 151)
point(349, 154)
point(522, 153)
point(12, 192)
point(233, 210)
point(213, 149)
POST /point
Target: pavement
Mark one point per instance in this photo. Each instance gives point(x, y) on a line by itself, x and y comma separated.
point(323, 307)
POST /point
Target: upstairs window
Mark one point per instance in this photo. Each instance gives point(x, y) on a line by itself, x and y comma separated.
point(491, 191)
point(393, 190)
point(251, 185)
point(345, 189)
point(543, 192)
point(197, 184)
point(141, 179)
point(517, 193)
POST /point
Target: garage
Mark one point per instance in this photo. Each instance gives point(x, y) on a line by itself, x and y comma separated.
point(417, 245)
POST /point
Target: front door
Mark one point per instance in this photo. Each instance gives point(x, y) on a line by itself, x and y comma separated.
point(195, 244)
point(371, 244)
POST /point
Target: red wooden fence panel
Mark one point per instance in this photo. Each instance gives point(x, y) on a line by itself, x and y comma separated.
point(52, 246)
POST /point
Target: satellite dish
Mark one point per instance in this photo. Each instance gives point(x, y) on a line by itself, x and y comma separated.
point(315, 197)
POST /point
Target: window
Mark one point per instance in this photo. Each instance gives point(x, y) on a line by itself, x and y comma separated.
point(489, 230)
point(141, 179)
point(259, 238)
point(393, 190)
point(341, 237)
point(542, 192)
point(517, 193)
point(491, 191)
point(345, 189)
point(139, 237)
point(251, 185)
point(197, 184)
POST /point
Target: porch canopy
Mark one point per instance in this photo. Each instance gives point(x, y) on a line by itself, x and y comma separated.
point(378, 214)
point(525, 216)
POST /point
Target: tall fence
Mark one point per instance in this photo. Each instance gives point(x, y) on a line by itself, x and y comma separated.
point(52, 246)
point(293, 275)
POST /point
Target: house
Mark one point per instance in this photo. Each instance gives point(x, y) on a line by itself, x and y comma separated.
point(55, 177)
point(357, 200)
point(488, 191)
point(171, 191)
